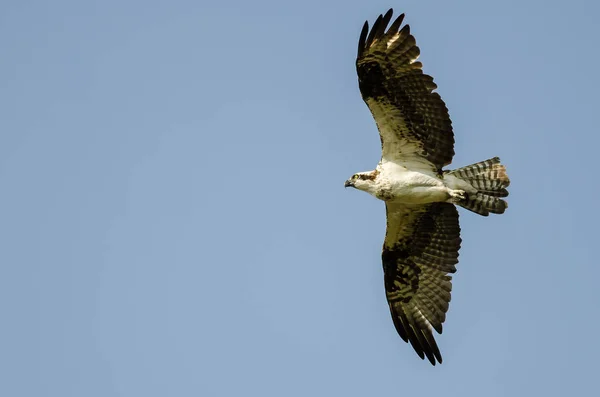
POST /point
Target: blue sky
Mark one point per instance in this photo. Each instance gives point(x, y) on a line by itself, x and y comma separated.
point(174, 221)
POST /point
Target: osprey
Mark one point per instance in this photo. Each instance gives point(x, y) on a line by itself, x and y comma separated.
point(423, 234)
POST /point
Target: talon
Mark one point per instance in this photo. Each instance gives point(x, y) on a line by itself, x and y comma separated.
point(457, 195)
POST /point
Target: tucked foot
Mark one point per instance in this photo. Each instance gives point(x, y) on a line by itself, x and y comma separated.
point(457, 195)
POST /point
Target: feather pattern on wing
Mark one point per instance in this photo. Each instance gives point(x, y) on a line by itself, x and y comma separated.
point(420, 249)
point(413, 121)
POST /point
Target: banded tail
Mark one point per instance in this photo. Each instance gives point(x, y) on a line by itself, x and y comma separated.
point(490, 181)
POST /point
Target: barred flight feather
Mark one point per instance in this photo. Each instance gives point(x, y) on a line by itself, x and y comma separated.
point(413, 120)
point(416, 260)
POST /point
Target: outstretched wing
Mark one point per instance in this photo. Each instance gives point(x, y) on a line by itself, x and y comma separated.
point(420, 249)
point(413, 121)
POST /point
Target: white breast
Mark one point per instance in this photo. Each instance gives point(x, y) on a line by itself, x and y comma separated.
point(399, 184)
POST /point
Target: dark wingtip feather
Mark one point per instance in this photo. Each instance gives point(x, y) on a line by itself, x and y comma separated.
point(363, 38)
point(422, 343)
point(434, 347)
point(396, 24)
point(405, 330)
point(383, 23)
point(426, 344)
point(405, 31)
point(386, 19)
point(374, 30)
point(378, 30)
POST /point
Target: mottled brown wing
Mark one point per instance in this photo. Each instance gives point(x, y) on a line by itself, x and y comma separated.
point(413, 121)
point(420, 249)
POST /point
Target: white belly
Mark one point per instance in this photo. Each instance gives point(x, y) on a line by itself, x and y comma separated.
point(410, 187)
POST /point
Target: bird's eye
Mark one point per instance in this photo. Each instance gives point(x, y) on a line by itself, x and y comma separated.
point(354, 177)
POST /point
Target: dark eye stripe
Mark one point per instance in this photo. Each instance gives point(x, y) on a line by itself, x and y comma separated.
point(368, 177)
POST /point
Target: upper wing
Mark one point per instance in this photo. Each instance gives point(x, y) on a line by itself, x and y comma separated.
point(420, 249)
point(413, 120)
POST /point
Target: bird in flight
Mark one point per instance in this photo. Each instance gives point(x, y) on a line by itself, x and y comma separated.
point(422, 239)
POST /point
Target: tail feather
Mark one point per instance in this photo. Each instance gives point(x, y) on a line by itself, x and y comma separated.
point(490, 180)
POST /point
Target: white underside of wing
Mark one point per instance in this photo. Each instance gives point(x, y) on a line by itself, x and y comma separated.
point(398, 147)
point(400, 221)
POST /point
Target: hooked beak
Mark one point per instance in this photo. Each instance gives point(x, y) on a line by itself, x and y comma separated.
point(348, 183)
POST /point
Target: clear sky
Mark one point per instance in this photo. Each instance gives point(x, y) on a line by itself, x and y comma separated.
point(174, 222)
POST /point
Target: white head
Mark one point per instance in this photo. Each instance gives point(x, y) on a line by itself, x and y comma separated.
point(364, 181)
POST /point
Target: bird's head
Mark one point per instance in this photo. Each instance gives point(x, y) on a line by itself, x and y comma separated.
point(362, 181)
